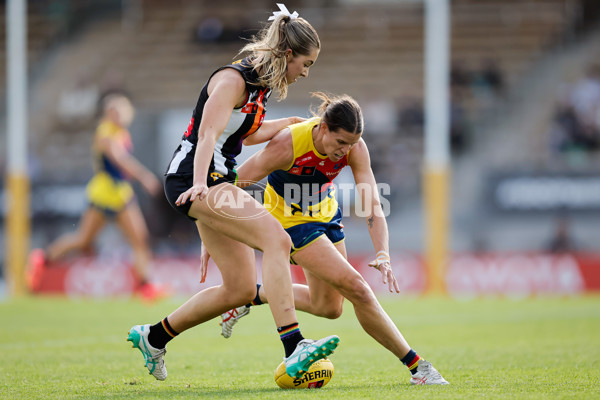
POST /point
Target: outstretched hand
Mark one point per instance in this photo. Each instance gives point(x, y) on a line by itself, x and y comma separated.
point(382, 263)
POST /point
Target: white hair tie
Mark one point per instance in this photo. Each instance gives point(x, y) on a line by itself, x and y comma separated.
point(283, 10)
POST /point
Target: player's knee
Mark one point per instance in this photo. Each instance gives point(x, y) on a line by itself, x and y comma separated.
point(282, 240)
point(242, 289)
point(330, 311)
point(286, 239)
point(275, 237)
point(248, 294)
point(242, 293)
point(360, 292)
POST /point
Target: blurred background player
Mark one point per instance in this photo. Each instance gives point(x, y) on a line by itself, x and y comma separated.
point(301, 163)
point(110, 196)
point(230, 112)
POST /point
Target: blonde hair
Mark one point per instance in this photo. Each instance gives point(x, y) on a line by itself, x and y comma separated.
point(268, 48)
point(339, 112)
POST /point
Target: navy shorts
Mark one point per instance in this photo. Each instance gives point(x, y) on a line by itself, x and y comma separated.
point(304, 234)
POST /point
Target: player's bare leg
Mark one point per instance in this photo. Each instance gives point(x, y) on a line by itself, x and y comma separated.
point(318, 297)
point(329, 264)
point(236, 262)
point(133, 225)
point(250, 224)
point(90, 224)
point(229, 233)
point(330, 278)
point(92, 221)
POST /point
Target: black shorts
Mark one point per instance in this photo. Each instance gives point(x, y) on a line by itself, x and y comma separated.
point(177, 184)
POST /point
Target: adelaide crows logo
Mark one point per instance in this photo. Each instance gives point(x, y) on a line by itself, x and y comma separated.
point(308, 171)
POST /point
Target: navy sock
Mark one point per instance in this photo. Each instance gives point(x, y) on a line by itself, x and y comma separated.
point(411, 360)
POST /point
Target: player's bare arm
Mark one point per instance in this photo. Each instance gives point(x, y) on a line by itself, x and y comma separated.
point(118, 154)
point(269, 129)
point(278, 154)
point(360, 162)
point(226, 89)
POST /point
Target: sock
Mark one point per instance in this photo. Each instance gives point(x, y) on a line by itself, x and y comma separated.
point(257, 301)
point(161, 334)
point(290, 336)
point(411, 360)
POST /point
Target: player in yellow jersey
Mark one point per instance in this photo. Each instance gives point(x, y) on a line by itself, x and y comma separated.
point(301, 162)
point(109, 195)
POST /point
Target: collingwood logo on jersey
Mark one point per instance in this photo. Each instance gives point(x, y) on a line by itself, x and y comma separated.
point(215, 176)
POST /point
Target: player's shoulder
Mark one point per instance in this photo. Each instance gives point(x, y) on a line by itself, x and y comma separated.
point(227, 81)
point(359, 153)
point(302, 129)
point(307, 124)
point(245, 69)
point(360, 146)
point(107, 129)
point(228, 75)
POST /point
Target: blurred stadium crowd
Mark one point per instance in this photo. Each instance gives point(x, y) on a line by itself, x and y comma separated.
point(525, 106)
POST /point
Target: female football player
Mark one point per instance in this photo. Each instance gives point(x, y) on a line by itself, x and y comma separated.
point(229, 112)
point(110, 196)
point(301, 162)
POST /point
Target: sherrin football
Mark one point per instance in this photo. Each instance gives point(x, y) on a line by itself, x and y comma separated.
point(319, 374)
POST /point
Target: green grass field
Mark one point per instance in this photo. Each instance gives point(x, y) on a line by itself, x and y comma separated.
point(53, 348)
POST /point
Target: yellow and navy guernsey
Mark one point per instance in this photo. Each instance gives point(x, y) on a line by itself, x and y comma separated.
point(244, 121)
point(109, 190)
point(302, 196)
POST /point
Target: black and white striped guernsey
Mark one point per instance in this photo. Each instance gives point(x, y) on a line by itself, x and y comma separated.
point(244, 121)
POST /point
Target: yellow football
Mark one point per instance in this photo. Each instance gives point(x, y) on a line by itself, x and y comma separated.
point(319, 374)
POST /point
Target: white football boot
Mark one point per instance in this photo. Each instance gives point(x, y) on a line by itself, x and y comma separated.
point(427, 375)
point(153, 357)
point(307, 353)
point(230, 318)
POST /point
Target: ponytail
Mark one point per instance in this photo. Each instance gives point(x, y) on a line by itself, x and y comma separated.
point(267, 48)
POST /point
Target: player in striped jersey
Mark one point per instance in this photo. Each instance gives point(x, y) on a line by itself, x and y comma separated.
point(230, 112)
